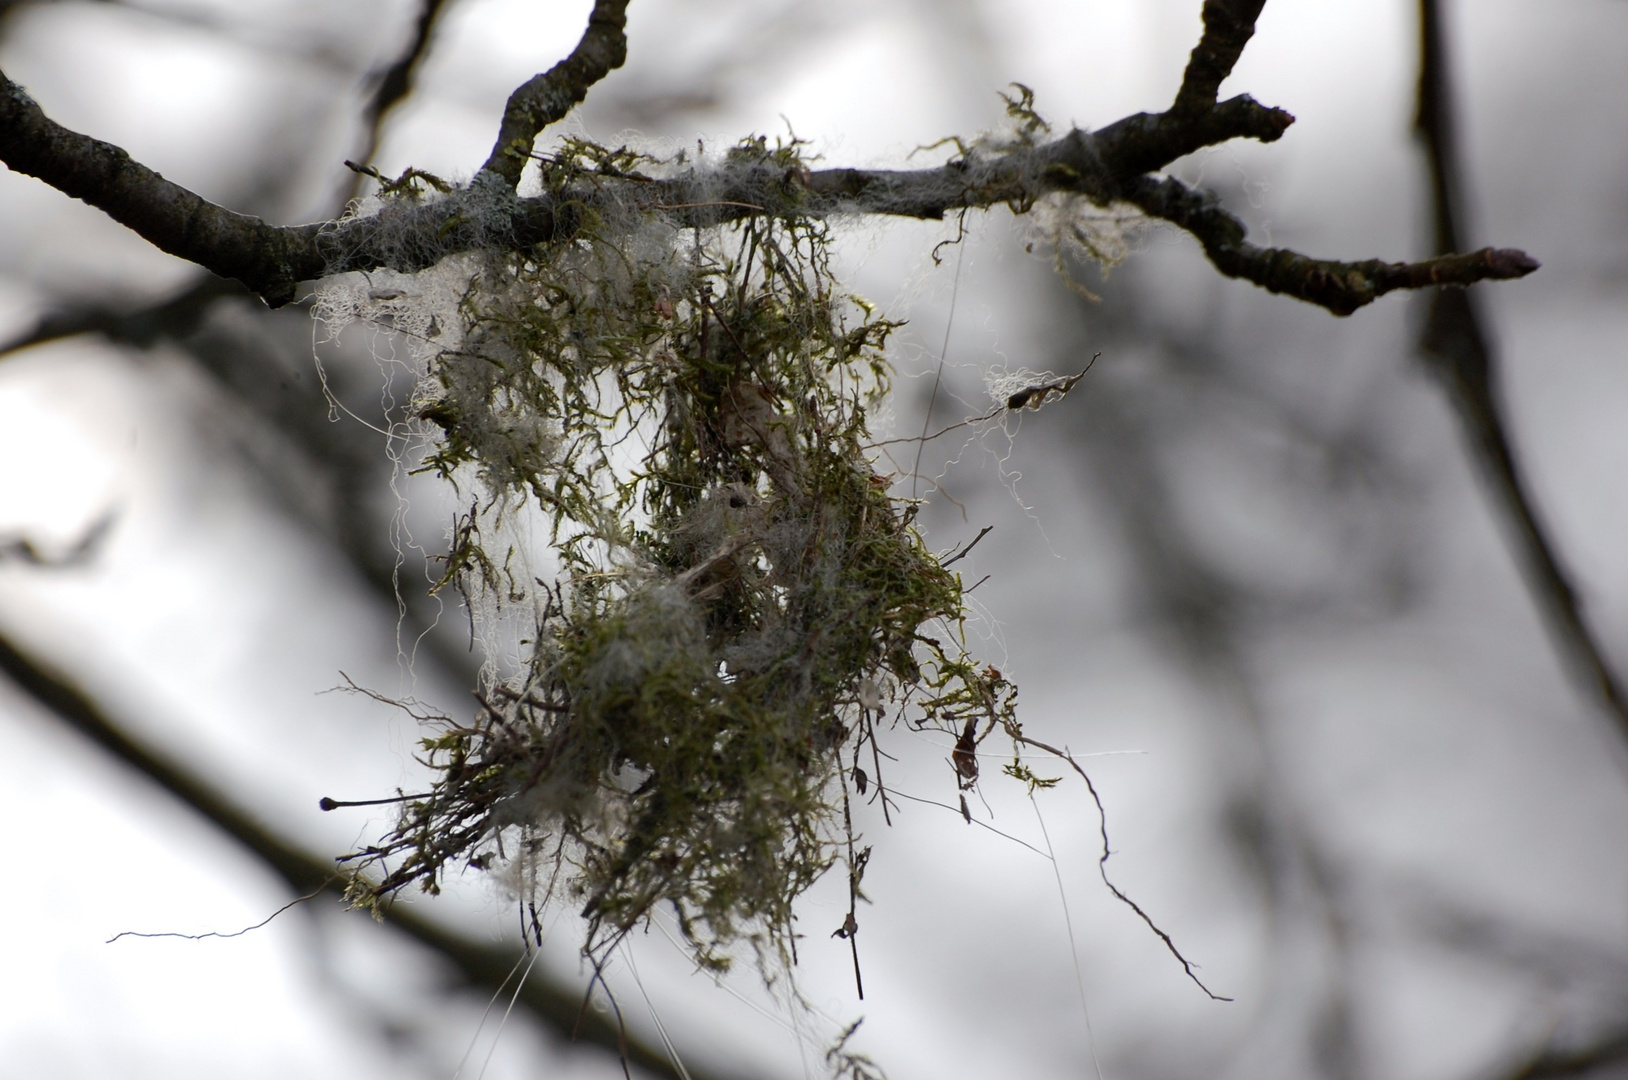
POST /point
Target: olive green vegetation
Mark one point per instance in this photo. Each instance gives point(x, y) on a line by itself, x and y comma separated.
point(742, 603)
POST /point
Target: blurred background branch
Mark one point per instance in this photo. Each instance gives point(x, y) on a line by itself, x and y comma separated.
point(1366, 805)
point(487, 967)
point(1459, 351)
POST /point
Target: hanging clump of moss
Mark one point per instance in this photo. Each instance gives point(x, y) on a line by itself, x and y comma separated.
point(742, 603)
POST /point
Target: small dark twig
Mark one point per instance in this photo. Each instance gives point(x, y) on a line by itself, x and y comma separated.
point(856, 867)
point(959, 555)
point(312, 895)
point(876, 762)
point(395, 83)
point(990, 415)
point(1102, 863)
point(547, 97)
point(325, 803)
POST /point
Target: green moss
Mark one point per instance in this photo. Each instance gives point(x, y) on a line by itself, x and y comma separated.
point(742, 602)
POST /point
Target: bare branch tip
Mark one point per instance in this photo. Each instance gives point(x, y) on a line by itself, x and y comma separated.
point(1512, 262)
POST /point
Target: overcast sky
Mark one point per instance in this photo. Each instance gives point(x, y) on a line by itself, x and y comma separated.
point(1246, 570)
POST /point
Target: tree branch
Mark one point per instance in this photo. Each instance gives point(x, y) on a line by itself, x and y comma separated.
point(1104, 167)
point(1341, 287)
point(1459, 353)
point(173, 317)
point(1228, 26)
point(488, 966)
point(180, 314)
point(545, 98)
point(268, 259)
point(1148, 141)
point(395, 83)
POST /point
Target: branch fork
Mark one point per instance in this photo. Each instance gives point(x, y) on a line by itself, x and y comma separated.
point(1116, 163)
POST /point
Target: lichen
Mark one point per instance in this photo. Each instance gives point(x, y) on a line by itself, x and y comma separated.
point(742, 603)
point(1076, 227)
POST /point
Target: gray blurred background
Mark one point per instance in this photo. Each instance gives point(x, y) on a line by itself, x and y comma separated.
point(1248, 566)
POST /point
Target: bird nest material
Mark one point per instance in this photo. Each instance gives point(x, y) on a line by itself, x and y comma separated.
point(742, 603)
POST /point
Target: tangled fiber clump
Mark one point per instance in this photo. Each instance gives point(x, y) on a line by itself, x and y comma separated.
point(741, 599)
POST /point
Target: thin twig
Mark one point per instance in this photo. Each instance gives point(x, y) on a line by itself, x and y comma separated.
point(325, 803)
point(312, 895)
point(876, 762)
point(1102, 863)
point(982, 824)
point(990, 415)
point(959, 555)
point(850, 927)
point(395, 83)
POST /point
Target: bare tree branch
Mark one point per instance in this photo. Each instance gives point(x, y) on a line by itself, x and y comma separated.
point(545, 98)
point(488, 966)
point(1459, 352)
point(1103, 167)
point(1228, 26)
point(395, 83)
point(1148, 141)
point(180, 314)
point(1341, 287)
point(174, 317)
point(250, 364)
point(268, 259)
point(1108, 166)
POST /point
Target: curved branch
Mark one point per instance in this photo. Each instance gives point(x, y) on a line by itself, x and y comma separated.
point(484, 965)
point(545, 98)
point(1341, 287)
point(272, 260)
point(394, 84)
point(173, 317)
point(268, 259)
point(1111, 165)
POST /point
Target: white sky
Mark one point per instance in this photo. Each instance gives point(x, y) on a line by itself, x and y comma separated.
point(1430, 743)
